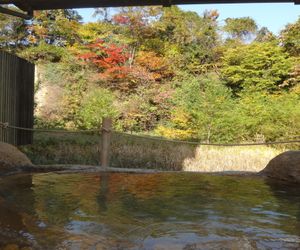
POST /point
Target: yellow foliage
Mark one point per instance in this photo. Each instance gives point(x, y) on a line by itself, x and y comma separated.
point(296, 89)
point(174, 133)
point(182, 130)
point(180, 118)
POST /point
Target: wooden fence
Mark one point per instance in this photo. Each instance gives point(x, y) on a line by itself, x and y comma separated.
point(16, 98)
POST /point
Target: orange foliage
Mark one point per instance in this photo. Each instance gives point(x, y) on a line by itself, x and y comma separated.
point(110, 59)
point(154, 64)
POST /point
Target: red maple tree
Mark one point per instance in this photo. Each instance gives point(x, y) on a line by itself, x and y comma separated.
point(110, 59)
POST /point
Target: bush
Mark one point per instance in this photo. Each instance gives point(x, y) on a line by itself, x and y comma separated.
point(96, 105)
point(43, 52)
point(204, 107)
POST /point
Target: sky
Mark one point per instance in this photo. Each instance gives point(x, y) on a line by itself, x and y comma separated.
point(273, 16)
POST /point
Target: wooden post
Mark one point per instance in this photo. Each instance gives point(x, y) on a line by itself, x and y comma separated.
point(105, 141)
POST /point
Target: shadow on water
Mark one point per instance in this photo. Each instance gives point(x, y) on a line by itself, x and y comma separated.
point(287, 194)
point(10, 216)
point(148, 211)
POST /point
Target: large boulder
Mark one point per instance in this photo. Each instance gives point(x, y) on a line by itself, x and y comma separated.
point(11, 158)
point(285, 167)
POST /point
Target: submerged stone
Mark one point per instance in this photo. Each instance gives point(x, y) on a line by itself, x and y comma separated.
point(285, 167)
point(12, 158)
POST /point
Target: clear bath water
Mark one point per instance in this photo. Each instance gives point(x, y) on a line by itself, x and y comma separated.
point(147, 211)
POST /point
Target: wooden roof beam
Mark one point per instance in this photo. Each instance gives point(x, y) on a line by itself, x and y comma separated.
point(27, 5)
point(22, 5)
point(7, 11)
point(68, 4)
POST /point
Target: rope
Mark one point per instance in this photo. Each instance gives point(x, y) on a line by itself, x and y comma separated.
point(209, 144)
point(7, 126)
point(155, 138)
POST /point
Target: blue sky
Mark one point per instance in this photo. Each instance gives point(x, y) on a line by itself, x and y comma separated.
point(273, 16)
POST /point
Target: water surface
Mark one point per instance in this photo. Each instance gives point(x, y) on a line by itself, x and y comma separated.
point(147, 211)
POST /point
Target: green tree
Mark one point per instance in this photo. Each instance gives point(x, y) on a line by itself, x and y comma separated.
point(43, 52)
point(266, 117)
point(257, 66)
point(290, 38)
point(90, 32)
point(240, 28)
point(265, 35)
point(190, 39)
point(49, 35)
point(96, 105)
point(56, 27)
point(207, 107)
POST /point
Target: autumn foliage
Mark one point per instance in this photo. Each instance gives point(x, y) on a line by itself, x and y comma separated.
point(110, 59)
point(165, 71)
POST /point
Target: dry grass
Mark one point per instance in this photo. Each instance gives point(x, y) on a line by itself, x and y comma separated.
point(142, 153)
point(217, 159)
point(132, 152)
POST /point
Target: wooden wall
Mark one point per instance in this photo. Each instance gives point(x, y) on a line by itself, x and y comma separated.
point(16, 98)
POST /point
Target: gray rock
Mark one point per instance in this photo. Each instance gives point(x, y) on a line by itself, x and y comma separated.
point(12, 158)
point(284, 167)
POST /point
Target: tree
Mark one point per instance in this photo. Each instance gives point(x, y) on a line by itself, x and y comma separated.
point(55, 27)
point(143, 110)
point(115, 66)
point(136, 23)
point(43, 53)
point(264, 35)
point(190, 39)
point(187, 27)
point(96, 105)
point(290, 38)
point(257, 67)
point(104, 14)
point(13, 33)
point(151, 67)
point(109, 59)
point(90, 32)
point(240, 28)
point(204, 110)
point(268, 117)
point(49, 34)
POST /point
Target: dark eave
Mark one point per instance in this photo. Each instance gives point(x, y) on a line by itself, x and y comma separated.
point(30, 5)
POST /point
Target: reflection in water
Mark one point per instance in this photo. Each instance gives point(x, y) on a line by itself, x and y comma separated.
point(147, 211)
